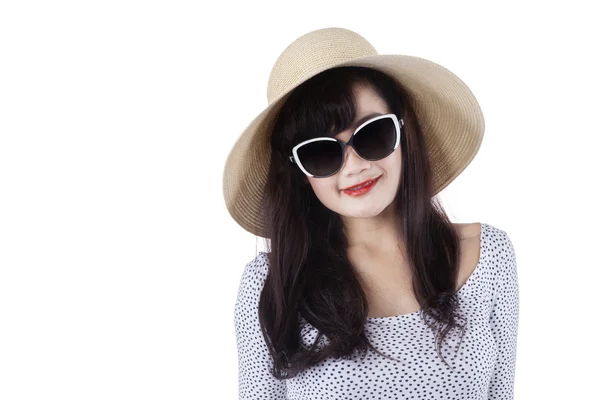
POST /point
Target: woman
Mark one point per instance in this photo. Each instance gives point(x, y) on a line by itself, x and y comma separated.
point(372, 292)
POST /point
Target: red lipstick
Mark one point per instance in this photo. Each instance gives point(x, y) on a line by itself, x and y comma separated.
point(368, 185)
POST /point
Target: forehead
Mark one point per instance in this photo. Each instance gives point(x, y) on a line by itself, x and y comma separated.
point(367, 100)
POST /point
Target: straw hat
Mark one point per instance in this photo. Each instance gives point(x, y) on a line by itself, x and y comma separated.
point(449, 115)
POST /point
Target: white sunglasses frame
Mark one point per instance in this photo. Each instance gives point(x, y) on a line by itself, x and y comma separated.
point(398, 124)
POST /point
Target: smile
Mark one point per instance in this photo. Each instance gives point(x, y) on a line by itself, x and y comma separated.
point(362, 189)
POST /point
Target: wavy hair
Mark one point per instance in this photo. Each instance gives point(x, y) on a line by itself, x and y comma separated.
point(310, 274)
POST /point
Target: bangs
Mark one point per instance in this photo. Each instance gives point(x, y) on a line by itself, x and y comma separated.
point(322, 106)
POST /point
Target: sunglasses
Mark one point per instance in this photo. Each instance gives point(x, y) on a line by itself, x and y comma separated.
point(373, 140)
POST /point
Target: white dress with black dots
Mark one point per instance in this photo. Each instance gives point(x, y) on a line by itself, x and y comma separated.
point(481, 361)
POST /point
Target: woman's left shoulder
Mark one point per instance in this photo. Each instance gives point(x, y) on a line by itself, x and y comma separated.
point(490, 236)
point(468, 230)
point(498, 241)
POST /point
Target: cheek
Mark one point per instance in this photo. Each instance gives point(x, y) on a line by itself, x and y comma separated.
point(394, 162)
point(397, 154)
point(323, 187)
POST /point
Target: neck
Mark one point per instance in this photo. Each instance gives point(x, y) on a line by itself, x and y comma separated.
point(376, 235)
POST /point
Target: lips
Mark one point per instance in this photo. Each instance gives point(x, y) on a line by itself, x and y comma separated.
point(363, 183)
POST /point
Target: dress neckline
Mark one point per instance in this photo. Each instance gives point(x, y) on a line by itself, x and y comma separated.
point(468, 282)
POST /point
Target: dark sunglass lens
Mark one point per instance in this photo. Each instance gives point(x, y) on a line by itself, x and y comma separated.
point(321, 158)
point(376, 140)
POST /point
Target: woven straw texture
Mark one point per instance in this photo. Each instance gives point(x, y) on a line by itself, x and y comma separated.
point(449, 114)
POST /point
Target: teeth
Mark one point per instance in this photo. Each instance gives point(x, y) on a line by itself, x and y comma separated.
point(360, 187)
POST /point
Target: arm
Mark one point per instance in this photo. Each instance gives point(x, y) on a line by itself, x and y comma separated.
point(504, 321)
point(254, 362)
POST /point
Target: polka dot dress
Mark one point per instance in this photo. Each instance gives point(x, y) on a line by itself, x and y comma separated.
point(481, 358)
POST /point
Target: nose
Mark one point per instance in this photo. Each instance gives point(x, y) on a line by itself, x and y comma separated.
point(353, 163)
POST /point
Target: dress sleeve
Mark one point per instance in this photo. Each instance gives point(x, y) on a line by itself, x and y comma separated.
point(504, 321)
point(254, 362)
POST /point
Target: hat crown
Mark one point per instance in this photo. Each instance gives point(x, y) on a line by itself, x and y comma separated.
point(312, 53)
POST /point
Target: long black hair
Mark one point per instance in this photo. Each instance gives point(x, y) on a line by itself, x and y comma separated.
point(310, 274)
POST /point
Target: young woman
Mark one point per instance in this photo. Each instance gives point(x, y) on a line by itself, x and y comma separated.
point(368, 291)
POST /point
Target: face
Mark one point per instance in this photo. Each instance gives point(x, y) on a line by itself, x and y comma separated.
point(357, 170)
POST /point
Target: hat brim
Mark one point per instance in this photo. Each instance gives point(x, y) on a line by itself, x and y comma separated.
point(449, 115)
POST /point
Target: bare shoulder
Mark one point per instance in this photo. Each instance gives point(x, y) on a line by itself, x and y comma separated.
point(468, 230)
point(469, 248)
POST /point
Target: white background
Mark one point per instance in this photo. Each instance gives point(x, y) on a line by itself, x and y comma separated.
point(119, 264)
